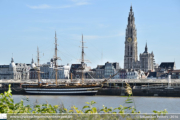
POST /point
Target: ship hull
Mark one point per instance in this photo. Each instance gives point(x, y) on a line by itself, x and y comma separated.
point(62, 91)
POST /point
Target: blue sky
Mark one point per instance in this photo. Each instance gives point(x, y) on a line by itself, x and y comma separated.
point(26, 24)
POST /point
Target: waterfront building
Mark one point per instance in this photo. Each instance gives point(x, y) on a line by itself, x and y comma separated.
point(142, 75)
point(162, 74)
point(33, 65)
point(175, 74)
point(91, 74)
point(48, 71)
point(23, 69)
point(133, 75)
point(164, 67)
point(123, 73)
point(44, 68)
point(18, 71)
point(107, 70)
point(9, 71)
point(63, 72)
point(111, 69)
point(131, 53)
point(100, 71)
point(33, 74)
point(152, 75)
point(73, 70)
point(156, 67)
point(76, 71)
point(147, 60)
point(5, 73)
point(66, 71)
point(136, 75)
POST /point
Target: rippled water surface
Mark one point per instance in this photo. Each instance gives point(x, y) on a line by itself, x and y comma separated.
point(143, 104)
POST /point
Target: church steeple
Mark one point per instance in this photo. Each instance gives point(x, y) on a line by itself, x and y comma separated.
point(131, 27)
point(32, 61)
point(131, 10)
point(146, 48)
point(12, 60)
point(32, 64)
point(131, 17)
point(130, 56)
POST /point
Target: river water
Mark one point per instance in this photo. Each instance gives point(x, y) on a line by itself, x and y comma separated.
point(142, 104)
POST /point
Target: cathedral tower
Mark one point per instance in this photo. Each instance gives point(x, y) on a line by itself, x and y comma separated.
point(147, 60)
point(130, 57)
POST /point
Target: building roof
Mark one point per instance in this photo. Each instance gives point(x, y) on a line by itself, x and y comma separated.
point(167, 65)
point(152, 74)
point(4, 66)
point(76, 66)
point(123, 70)
point(32, 69)
point(116, 65)
point(6, 74)
point(100, 66)
point(146, 48)
point(93, 69)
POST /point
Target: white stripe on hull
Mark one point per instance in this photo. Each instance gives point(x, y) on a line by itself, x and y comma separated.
point(62, 92)
point(61, 89)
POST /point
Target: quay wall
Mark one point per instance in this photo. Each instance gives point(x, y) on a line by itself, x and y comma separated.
point(141, 92)
point(15, 91)
point(34, 81)
point(117, 92)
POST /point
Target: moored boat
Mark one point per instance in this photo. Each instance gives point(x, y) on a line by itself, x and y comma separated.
point(62, 90)
point(69, 88)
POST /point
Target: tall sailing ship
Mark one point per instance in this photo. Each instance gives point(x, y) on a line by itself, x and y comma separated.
point(68, 88)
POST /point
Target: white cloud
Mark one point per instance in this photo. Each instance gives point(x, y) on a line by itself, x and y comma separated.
point(64, 6)
point(82, 3)
point(43, 6)
point(74, 3)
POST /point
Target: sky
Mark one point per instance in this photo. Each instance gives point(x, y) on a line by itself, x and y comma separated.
point(26, 24)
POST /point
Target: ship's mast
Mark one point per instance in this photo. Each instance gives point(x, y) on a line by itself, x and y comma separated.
point(37, 56)
point(82, 61)
point(56, 58)
point(38, 69)
point(82, 54)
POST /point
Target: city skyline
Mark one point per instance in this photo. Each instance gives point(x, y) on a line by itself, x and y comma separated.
point(26, 25)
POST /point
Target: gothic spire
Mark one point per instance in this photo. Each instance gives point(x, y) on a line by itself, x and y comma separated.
point(131, 8)
point(146, 49)
point(131, 12)
point(32, 61)
point(130, 42)
point(12, 60)
point(131, 16)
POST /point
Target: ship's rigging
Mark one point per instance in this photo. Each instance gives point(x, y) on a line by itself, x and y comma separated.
point(56, 58)
point(69, 88)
